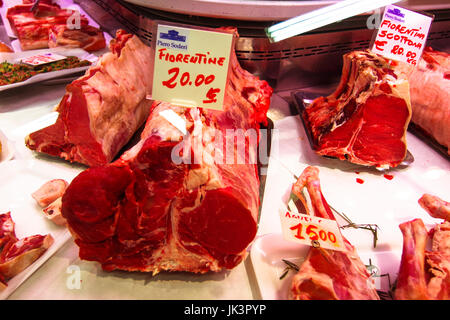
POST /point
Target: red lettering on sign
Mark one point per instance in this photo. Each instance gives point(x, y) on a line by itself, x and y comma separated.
point(211, 95)
point(379, 44)
point(299, 228)
point(171, 82)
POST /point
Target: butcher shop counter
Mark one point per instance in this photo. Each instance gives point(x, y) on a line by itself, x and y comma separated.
point(64, 276)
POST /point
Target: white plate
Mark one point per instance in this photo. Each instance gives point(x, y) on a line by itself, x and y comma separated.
point(19, 178)
point(7, 152)
point(16, 57)
point(380, 201)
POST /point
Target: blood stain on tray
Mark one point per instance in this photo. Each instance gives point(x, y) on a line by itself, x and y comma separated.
point(360, 181)
point(389, 176)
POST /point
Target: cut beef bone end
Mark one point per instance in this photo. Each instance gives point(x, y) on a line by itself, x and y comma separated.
point(436, 207)
point(49, 192)
point(148, 212)
point(365, 120)
point(22, 254)
point(102, 110)
point(53, 212)
point(425, 274)
point(328, 274)
point(411, 283)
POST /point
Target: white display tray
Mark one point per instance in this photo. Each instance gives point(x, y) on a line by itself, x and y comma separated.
point(15, 58)
point(380, 201)
point(20, 178)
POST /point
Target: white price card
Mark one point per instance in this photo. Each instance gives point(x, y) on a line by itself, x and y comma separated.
point(191, 66)
point(43, 58)
point(402, 35)
point(311, 230)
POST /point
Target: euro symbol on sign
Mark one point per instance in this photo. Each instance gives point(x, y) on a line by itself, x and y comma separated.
point(211, 95)
point(379, 45)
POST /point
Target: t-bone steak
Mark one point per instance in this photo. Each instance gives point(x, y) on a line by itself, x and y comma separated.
point(102, 110)
point(152, 211)
point(365, 119)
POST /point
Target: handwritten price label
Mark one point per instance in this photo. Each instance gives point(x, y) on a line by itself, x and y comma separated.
point(402, 35)
point(43, 58)
point(311, 230)
point(191, 66)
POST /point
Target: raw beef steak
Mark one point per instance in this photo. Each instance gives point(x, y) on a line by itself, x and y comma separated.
point(86, 37)
point(430, 95)
point(328, 274)
point(103, 109)
point(32, 28)
point(153, 211)
point(17, 254)
point(365, 120)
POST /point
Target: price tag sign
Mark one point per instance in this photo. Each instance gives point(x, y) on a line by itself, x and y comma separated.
point(43, 59)
point(402, 35)
point(311, 230)
point(191, 66)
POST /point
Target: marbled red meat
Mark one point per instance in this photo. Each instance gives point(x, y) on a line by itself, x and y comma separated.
point(149, 211)
point(430, 95)
point(365, 120)
point(7, 230)
point(17, 254)
point(86, 37)
point(425, 274)
point(32, 28)
point(328, 274)
point(22, 253)
point(103, 109)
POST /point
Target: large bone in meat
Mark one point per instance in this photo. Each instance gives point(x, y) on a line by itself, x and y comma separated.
point(328, 274)
point(430, 95)
point(150, 211)
point(103, 109)
point(425, 274)
point(365, 119)
point(411, 283)
point(436, 207)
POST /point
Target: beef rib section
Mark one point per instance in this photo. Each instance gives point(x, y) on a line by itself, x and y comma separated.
point(365, 119)
point(102, 110)
point(328, 274)
point(430, 95)
point(152, 210)
point(425, 274)
point(18, 254)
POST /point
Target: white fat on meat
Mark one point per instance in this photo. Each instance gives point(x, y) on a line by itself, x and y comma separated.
point(121, 84)
point(49, 192)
